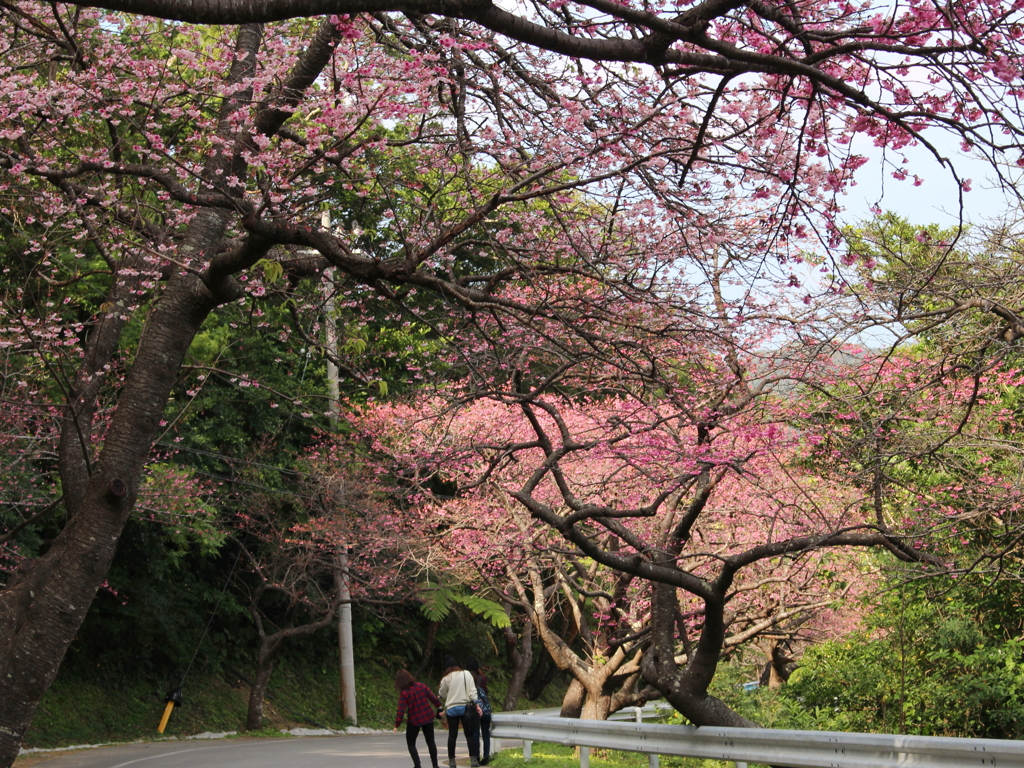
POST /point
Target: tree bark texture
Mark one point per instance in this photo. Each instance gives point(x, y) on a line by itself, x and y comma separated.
point(540, 677)
point(265, 657)
point(572, 702)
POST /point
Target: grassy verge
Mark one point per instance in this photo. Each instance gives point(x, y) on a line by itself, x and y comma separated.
point(79, 710)
point(557, 756)
point(87, 712)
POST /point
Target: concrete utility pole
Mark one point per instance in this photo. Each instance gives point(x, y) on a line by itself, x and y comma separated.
point(348, 665)
point(345, 650)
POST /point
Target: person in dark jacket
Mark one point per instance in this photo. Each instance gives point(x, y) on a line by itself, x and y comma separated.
point(422, 705)
point(483, 699)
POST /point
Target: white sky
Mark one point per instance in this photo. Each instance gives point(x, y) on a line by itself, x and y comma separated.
point(936, 200)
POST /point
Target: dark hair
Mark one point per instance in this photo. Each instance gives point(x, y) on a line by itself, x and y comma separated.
point(450, 665)
point(478, 677)
point(403, 679)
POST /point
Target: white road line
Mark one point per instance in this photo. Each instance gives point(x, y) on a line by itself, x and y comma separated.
point(167, 754)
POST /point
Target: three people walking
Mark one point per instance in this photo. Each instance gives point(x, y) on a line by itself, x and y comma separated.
point(466, 703)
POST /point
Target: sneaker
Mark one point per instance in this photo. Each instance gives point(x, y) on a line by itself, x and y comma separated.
point(474, 763)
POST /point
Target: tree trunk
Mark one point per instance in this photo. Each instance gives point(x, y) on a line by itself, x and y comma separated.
point(540, 677)
point(595, 707)
point(687, 689)
point(780, 666)
point(271, 645)
point(43, 607)
point(520, 653)
point(428, 651)
point(572, 702)
point(258, 690)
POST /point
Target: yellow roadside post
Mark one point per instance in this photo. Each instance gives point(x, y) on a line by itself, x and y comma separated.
point(174, 698)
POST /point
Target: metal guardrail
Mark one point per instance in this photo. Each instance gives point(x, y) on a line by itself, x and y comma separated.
point(650, 709)
point(794, 749)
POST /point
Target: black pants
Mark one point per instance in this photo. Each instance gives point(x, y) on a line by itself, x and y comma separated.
point(411, 732)
point(485, 735)
point(472, 740)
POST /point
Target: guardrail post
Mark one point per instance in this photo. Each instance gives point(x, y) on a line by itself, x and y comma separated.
point(740, 765)
point(584, 757)
point(652, 760)
point(527, 750)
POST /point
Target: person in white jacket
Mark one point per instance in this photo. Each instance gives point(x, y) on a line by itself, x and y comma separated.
point(458, 690)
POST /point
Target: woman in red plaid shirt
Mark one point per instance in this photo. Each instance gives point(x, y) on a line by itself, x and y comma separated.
point(422, 705)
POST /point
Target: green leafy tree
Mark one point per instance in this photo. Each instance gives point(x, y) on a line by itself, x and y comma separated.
point(934, 658)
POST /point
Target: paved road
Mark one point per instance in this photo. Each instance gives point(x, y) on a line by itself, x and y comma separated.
point(371, 751)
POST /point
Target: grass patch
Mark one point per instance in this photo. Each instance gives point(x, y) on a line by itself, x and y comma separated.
point(266, 733)
point(557, 756)
point(76, 711)
point(79, 710)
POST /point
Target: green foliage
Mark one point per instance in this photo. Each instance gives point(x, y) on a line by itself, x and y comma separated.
point(487, 609)
point(929, 662)
point(911, 269)
point(304, 693)
point(894, 251)
point(186, 518)
point(209, 344)
point(162, 591)
point(437, 604)
point(272, 270)
point(245, 393)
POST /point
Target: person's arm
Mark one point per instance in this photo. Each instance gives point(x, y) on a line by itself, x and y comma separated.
point(401, 710)
point(443, 690)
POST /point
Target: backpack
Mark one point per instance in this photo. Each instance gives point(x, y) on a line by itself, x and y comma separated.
point(483, 700)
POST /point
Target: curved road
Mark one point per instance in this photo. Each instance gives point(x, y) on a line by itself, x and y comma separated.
point(363, 751)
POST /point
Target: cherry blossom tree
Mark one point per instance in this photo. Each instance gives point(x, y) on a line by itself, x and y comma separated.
point(628, 495)
point(548, 191)
point(290, 574)
point(291, 598)
point(929, 441)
